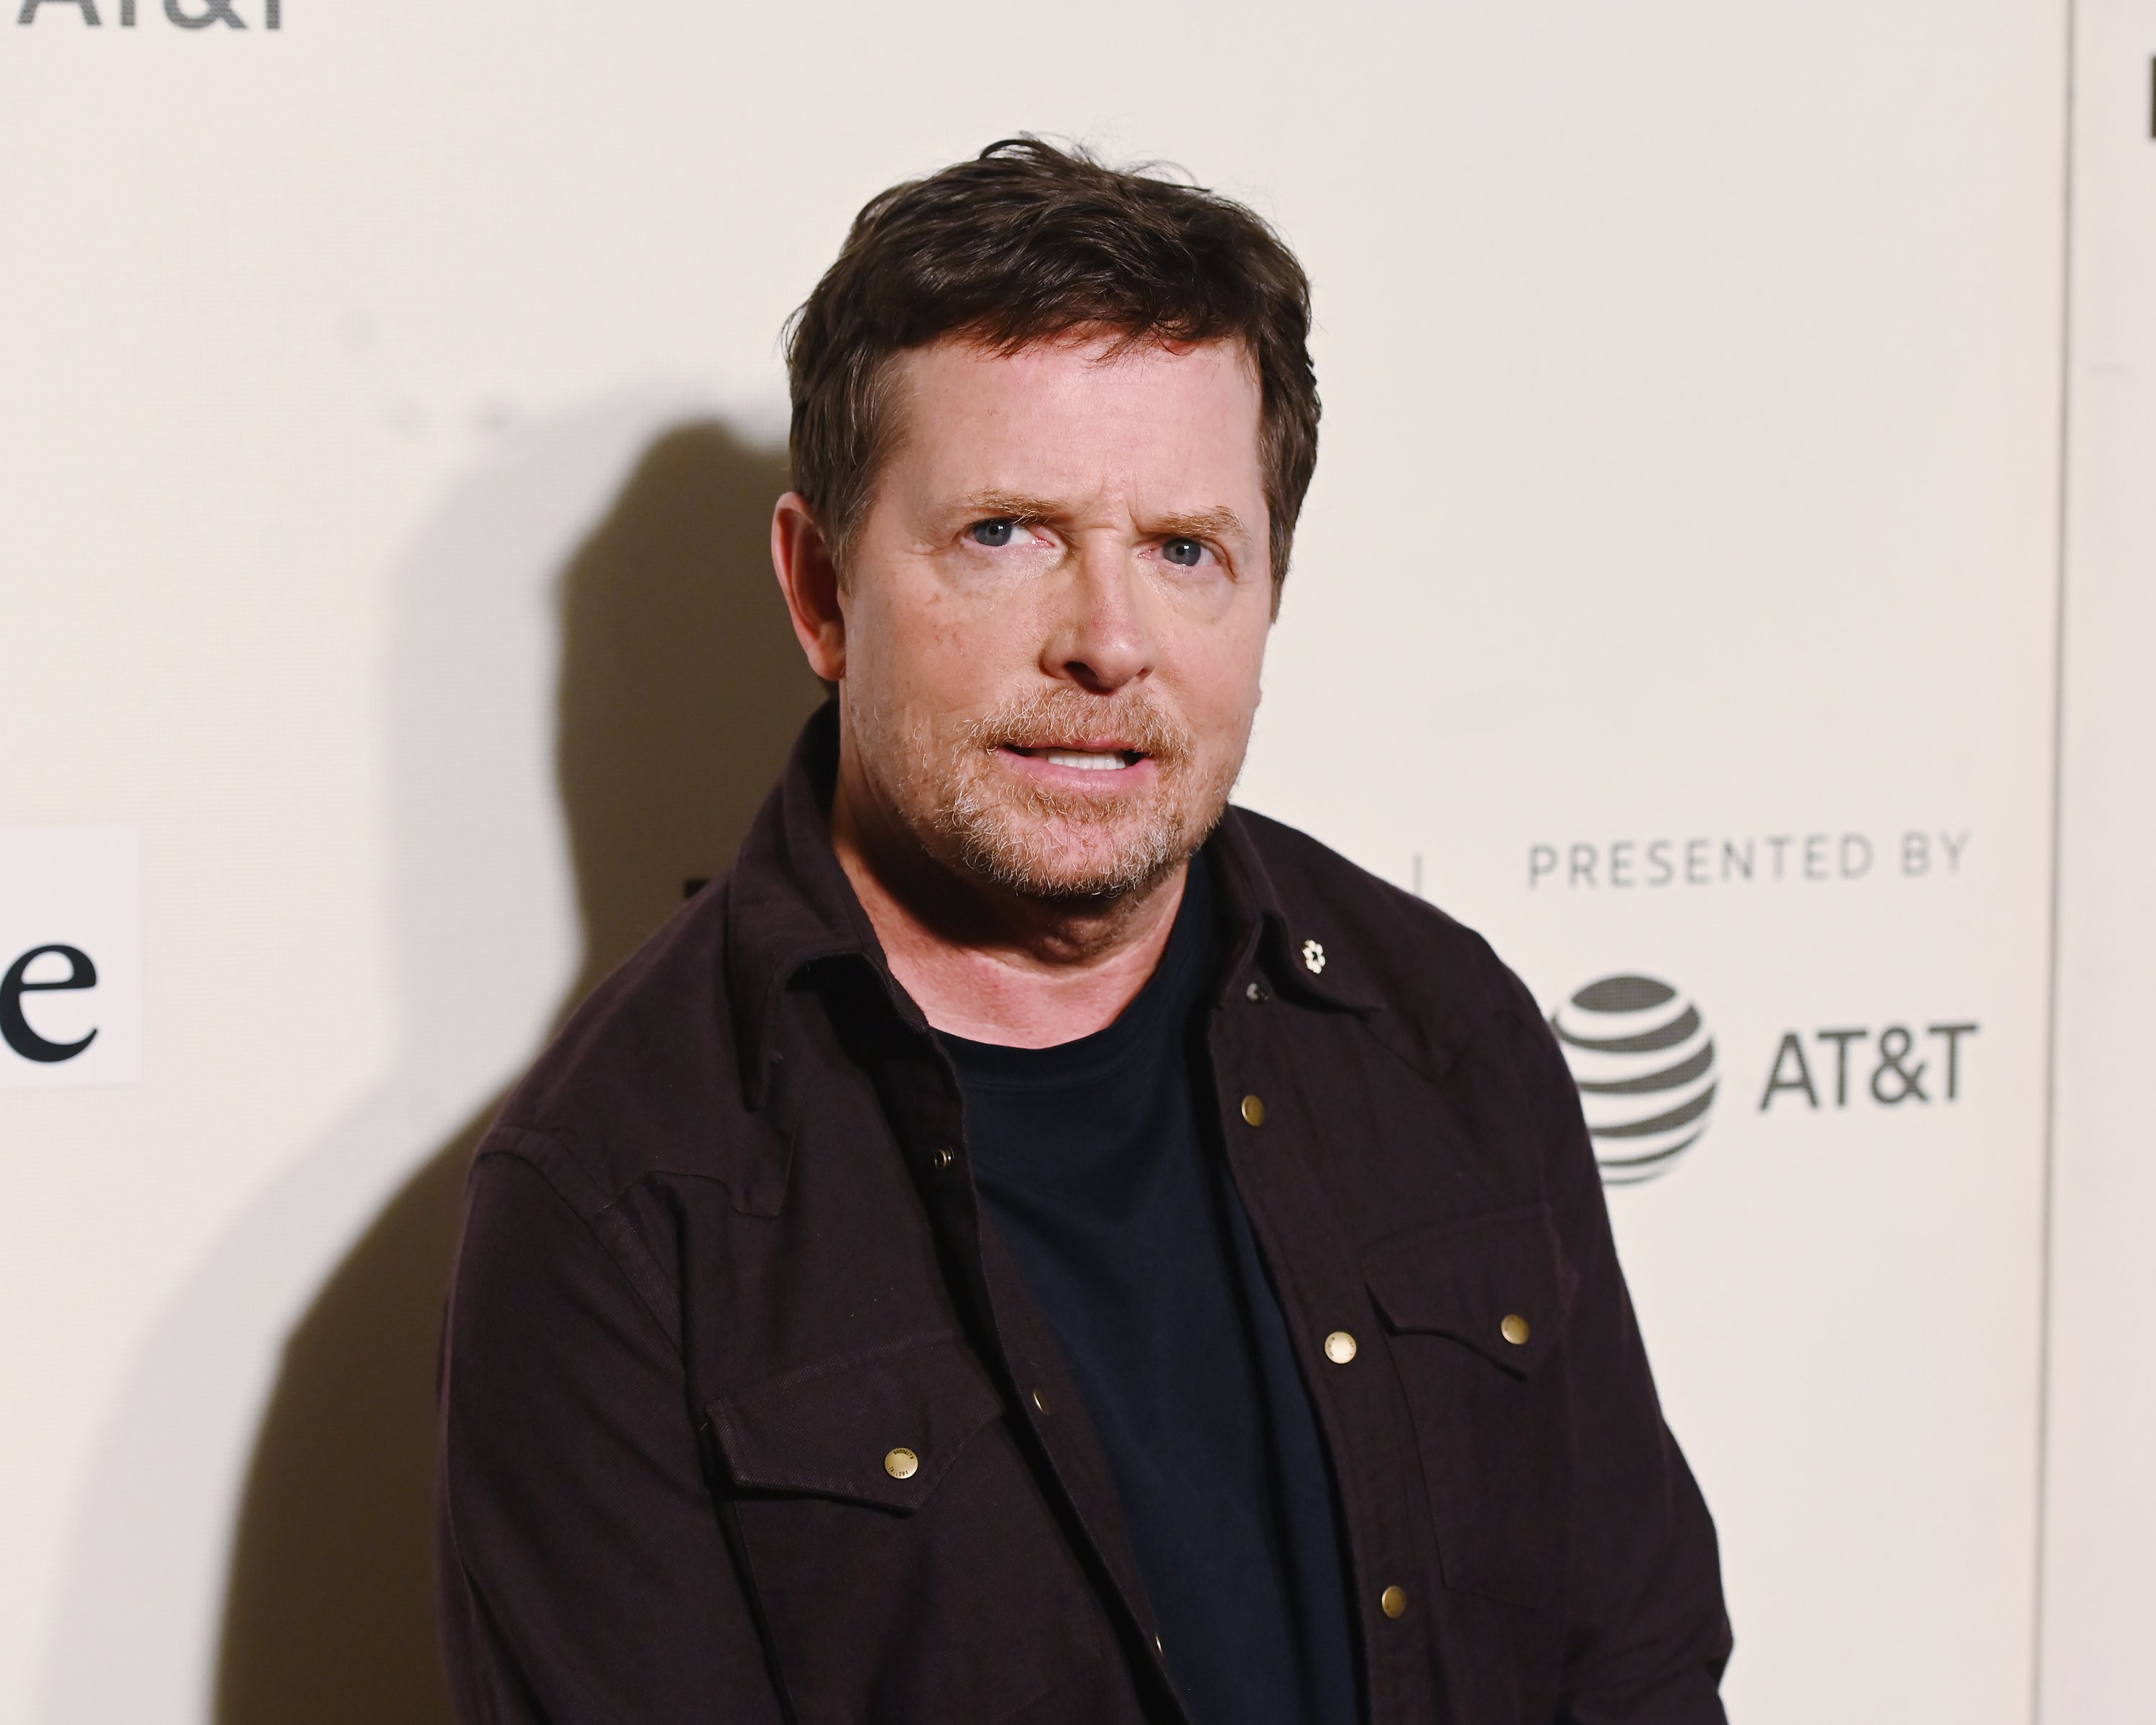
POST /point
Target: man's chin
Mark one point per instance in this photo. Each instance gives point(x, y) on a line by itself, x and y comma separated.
point(1073, 870)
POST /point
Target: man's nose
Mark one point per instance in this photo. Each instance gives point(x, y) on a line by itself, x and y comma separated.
point(1099, 640)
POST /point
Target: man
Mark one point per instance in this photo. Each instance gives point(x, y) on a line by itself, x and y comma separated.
point(1035, 1244)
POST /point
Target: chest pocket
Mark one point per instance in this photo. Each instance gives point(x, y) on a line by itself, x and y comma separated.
point(904, 1563)
point(1474, 1316)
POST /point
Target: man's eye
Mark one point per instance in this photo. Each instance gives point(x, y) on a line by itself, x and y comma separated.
point(993, 533)
point(1185, 553)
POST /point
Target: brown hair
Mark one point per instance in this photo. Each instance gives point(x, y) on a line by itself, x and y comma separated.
point(1024, 243)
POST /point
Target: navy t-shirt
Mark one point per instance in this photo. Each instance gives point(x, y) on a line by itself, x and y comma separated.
point(1100, 1171)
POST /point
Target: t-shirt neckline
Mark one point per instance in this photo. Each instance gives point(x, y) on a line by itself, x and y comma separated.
point(1153, 1017)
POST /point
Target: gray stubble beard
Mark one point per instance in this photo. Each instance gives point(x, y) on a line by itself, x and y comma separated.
point(1002, 832)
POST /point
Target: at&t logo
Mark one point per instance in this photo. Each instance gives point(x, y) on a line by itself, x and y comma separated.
point(186, 14)
point(1644, 1065)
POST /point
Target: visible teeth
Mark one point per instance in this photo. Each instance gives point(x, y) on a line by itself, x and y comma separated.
point(1084, 762)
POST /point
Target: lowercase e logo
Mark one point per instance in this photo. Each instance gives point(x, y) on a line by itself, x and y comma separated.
point(15, 1025)
point(71, 956)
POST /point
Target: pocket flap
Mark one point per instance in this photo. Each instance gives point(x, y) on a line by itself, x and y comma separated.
point(1498, 1284)
point(876, 1427)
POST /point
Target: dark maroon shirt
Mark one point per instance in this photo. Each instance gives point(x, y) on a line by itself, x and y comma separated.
point(746, 1416)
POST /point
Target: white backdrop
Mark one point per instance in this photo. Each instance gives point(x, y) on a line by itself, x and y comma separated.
point(1688, 501)
point(2100, 1520)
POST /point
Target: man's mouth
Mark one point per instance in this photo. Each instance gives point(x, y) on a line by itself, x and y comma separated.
point(1082, 760)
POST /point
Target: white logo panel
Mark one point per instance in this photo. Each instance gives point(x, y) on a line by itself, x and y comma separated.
point(71, 956)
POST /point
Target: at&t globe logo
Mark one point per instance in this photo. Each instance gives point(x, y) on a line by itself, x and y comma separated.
point(1644, 1065)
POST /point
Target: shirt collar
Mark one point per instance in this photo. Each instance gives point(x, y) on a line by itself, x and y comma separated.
point(1264, 924)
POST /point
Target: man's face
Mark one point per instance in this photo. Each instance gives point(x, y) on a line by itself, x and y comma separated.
point(1056, 610)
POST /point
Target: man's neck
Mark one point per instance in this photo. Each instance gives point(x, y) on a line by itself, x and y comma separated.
point(992, 965)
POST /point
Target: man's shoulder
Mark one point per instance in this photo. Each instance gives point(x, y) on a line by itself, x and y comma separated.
point(646, 1075)
point(1383, 946)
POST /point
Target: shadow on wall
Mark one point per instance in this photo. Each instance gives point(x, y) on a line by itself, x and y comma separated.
point(680, 690)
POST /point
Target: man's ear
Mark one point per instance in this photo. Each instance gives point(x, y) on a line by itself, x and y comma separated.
point(809, 579)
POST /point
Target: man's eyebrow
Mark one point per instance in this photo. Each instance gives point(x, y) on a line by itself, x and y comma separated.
point(1011, 506)
point(1217, 523)
point(1221, 523)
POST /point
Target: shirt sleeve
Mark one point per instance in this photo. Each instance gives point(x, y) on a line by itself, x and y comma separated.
point(584, 1573)
point(1649, 1635)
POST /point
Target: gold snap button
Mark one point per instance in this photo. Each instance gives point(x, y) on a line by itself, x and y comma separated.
point(1340, 1348)
point(1393, 1602)
point(1040, 1402)
point(1254, 1110)
point(1514, 1329)
point(942, 1158)
point(901, 1463)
